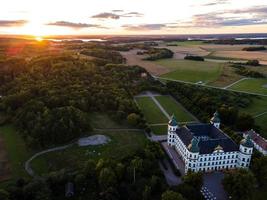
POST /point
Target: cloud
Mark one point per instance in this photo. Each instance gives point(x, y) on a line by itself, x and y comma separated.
point(215, 2)
point(117, 10)
point(10, 23)
point(106, 15)
point(114, 15)
point(239, 17)
point(144, 27)
point(74, 25)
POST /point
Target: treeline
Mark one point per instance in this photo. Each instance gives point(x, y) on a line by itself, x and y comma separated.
point(246, 184)
point(135, 177)
point(243, 71)
point(49, 98)
point(158, 53)
point(236, 42)
point(196, 58)
point(261, 48)
point(203, 102)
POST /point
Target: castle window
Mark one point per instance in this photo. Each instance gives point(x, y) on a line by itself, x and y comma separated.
point(243, 159)
point(245, 150)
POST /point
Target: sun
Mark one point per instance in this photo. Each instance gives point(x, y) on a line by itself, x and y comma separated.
point(39, 39)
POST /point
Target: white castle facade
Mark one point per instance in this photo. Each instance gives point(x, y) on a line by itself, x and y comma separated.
point(205, 147)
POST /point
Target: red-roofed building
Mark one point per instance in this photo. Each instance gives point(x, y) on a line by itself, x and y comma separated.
point(259, 142)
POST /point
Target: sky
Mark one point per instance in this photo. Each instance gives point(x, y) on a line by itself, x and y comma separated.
point(91, 17)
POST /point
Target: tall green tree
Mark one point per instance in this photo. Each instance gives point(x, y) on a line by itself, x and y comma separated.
point(239, 184)
point(170, 195)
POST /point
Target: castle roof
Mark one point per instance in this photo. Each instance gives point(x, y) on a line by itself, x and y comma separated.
point(258, 139)
point(209, 137)
point(247, 142)
point(173, 121)
point(215, 118)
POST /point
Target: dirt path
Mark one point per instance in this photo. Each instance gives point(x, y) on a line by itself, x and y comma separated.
point(209, 86)
point(228, 86)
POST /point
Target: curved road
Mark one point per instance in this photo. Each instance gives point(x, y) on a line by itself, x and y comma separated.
point(27, 165)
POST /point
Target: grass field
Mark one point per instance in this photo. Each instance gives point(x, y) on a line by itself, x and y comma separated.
point(172, 107)
point(122, 145)
point(102, 120)
point(258, 106)
point(252, 85)
point(16, 150)
point(192, 71)
point(159, 130)
point(151, 111)
point(262, 122)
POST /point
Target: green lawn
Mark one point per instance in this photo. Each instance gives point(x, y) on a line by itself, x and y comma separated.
point(102, 120)
point(192, 71)
point(122, 145)
point(259, 105)
point(262, 122)
point(172, 107)
point(159, 130)
point(16, 150)
point(151, 111)
point(252, 85)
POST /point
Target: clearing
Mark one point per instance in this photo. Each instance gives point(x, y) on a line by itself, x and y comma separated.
point(122, 144)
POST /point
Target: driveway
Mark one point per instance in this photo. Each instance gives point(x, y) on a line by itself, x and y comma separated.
point(213, 187)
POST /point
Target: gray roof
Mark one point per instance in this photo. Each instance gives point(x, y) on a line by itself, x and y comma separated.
point(212, 138)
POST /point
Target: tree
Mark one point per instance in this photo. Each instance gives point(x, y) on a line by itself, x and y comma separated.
point(133, 119)
point(245, 122)
point(239, 184)
point(170, 195)
point(136, 164)
point(107, 178)
point(194, 179)
point(4, 195)
point(259, 168)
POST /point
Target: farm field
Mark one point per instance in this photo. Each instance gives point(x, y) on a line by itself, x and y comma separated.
point(172, 107)
point(151, 67)
point(122, 145)
point(151, 111)
point(192, 71)
point(258, 55)
point(258, 86)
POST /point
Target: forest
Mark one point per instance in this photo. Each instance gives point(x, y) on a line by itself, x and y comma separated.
point(50, 96)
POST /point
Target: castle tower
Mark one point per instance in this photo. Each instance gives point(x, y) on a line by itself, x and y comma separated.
point(245, 152)
point(192, 157)
point(172, 126)
point(215, 120)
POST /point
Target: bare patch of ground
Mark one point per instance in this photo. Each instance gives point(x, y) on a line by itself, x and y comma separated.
point(5, 171)
point(181, 51)
point(93, 140)
point(248, 55)
point(151, 67)
point(227, 77)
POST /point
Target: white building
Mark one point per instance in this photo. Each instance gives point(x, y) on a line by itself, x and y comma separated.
point(259, 142)
point(205, 147)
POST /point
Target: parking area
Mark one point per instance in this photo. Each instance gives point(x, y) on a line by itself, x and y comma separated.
point(212, 187)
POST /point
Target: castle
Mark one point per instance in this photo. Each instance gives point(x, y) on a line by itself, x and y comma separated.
point(205, 147)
